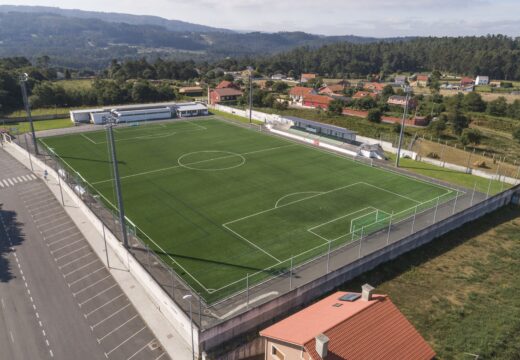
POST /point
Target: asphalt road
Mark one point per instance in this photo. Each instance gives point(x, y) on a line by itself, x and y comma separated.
point(57, 300)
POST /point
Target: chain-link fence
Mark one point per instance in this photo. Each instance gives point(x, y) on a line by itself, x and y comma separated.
point(257, 288)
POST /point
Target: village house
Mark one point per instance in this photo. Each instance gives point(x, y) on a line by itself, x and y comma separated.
point(345, 325)
point(400, 80)
point(278, 77)
point(374, 87)
point(298, 92)
point(362, 94)
point(224, 95)
point(191, 91)
point(422, 80)
point(466, 81)
point(224, 84)
point(332, 89)
point(306, 77)
point(316, 101)
point(401, 101)
point(482, 80)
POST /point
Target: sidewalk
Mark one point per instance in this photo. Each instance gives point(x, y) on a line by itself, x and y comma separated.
point(170, 340)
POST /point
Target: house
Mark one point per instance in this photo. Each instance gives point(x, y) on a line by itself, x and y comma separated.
point(190, 109)
point(225, 95)
point(298, 92)
point(362, 94)
point(332, 89)
point(278, 77)
point(374, 87)
point(401, 101)
point(224, 84)
point(466, 81)
point(316, 101)
point(422, 80)
point(306, 77)
point(191, 91)
point(482, 80)
point(400, 80)
point(346, 325)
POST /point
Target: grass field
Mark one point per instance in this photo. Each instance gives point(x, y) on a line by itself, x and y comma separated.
point(221, 203)
point(24, 126)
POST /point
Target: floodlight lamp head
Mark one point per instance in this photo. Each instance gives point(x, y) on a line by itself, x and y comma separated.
point(186, 297)
point(24, 77)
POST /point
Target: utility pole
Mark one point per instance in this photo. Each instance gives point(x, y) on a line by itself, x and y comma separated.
point(23, 84)
point(110, 123)
point(250, 93)
point(405, 114)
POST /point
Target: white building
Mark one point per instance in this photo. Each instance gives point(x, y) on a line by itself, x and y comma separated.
point(142, 115)
point(482, 80)
point(190, 110)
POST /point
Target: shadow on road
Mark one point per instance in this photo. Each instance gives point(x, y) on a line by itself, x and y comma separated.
point(11, 236)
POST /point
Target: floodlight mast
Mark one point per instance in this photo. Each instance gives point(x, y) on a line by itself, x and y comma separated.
point(23, 84)
point(405, 114)
point(110, 121)
point(250, 93)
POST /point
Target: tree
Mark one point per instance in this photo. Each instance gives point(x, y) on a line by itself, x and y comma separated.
point(458, 122)
point(374, 115)
point(396, 128)
point(336, 107)
point(471, 136)
point(497, 107)
point(280, 86)
point(516, 134)
point(473, 102)
point(438, 127)
point(388, 91)
point(513, 111)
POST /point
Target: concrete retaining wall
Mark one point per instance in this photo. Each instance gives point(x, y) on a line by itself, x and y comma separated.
point(35, 118)
point(267, 313)
point(162, 300)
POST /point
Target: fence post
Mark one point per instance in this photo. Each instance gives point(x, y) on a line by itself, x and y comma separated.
point(436, 208)
point(389, 227)
point(61, 192)
point(328, 258)
point(200, 310)
point(517, 172)
point(414, 216)
point(455, 203)
point(105, 241)
point(290, 273)
point(361, 240)
point(173, 284)
point(473, 194)
point(247, 291)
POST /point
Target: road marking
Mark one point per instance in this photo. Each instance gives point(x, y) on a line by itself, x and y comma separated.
point(70, 253)
point(75, 260)
point(110, 316)
point(53, 227)
point(84, 277)
point(117, 328)
point(160, 356)
point(78, 269)
point(11, 335)
point(95, 296)
point(63, 238)
point(65, 246)
point(124, 342)
point(141, 349)
point(61, 231)
point(91, 285)
point(3, 303)
point(108, 302)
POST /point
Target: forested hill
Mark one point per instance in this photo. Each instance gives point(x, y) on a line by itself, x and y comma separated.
point(78, 39)
point(172, 25)
point(496, 56)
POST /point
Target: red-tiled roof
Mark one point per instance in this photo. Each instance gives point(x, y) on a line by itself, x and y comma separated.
point(362, 94)
point(300, 91)
point(317, 99)
point(374, 86)
point(333, 88)
point(466, 81)
point(423, 77)
point(308, 76)
point(228, 92)
point(225, 84)
point(373, 329)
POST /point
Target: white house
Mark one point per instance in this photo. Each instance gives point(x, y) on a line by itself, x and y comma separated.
point(482, 80)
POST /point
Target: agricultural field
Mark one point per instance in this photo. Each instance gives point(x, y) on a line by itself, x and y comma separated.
point(227, 206)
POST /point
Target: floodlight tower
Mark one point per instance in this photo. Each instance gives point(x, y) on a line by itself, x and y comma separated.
point(250, 92)
point(23, 84)
point(110, 122)
point(405, 114)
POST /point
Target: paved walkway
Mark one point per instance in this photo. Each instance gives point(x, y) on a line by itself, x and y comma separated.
point(171, 342)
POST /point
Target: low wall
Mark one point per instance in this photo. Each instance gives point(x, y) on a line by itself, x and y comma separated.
point(265, 314)
point(170, 310)
point(35, 118)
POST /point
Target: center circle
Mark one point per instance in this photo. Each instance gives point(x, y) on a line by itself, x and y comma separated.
point(211, 160)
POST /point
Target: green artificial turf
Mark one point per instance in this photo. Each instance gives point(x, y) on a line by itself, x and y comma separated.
point(221, 203)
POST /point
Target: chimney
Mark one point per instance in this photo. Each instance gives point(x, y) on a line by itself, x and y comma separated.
point(366, 293)
point(322, 345)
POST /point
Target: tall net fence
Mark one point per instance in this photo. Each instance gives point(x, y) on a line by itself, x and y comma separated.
point(367, 234)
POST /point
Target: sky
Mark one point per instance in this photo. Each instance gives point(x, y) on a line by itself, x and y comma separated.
point(379, 18)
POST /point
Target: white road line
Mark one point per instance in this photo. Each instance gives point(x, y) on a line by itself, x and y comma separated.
point(33, 176)
point(42, 218)
point(10, 182)
point(1, 184)
point(75, 260)
point(63, 238)
point(61, 231)
point(95, 296)
point(91, 285)
point(100, 307)
point(110, 316)
point(3, 303)
point(128, 339)
point(141, 349)
point(117, 328)
point(65, 246)
point(54, 226)
point(24, 178)
point(70, 253)
point(160, 356)
point(47, 222)
point(84, 277)
point(80, 268)
point(14, 180)
point(19, 179)
point(11, 336)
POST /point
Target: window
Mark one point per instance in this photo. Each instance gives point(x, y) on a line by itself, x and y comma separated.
point(277, 354)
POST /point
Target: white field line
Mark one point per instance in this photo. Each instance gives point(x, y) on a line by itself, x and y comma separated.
point(360, 217)
point(192, 163)
point(328, 222)
point(251, 243)
point(393, 193)
point(296, 193)
point(89, 139)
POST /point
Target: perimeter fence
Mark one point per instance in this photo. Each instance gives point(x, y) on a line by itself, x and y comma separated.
point(264, 285)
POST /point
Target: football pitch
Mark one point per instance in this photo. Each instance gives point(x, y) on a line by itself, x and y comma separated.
point(226, 206)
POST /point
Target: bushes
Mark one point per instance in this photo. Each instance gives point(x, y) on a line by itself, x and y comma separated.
point(374, 115)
